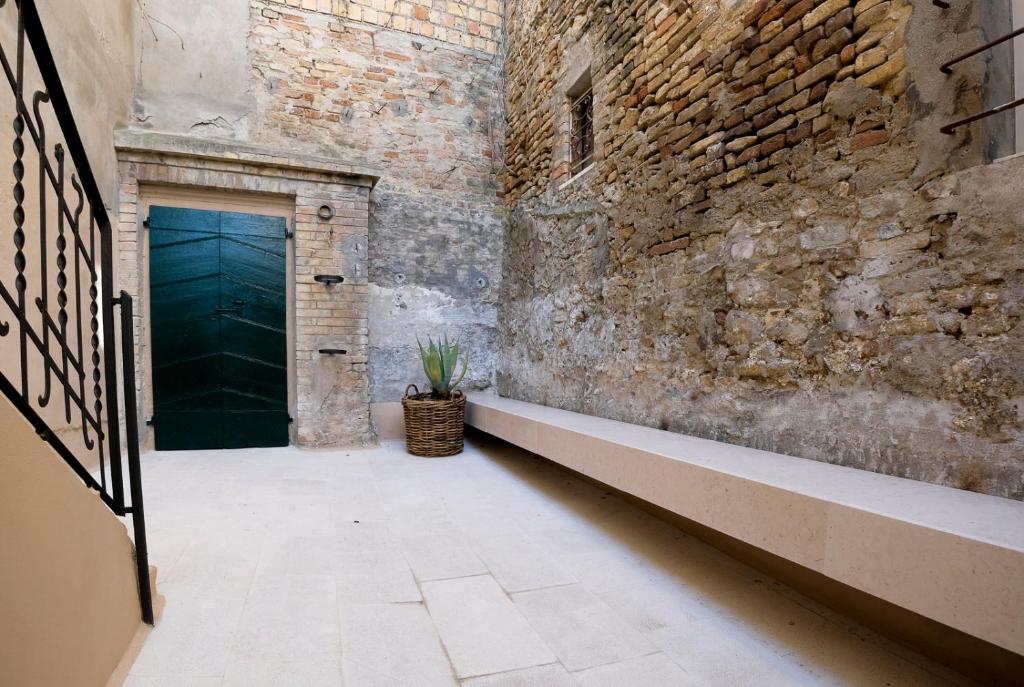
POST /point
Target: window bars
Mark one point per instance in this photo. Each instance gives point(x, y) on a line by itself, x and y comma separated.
point(946, 68)
point(581, 132)
point(58, 349)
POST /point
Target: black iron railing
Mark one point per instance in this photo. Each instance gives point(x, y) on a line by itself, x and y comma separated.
point(58, 346)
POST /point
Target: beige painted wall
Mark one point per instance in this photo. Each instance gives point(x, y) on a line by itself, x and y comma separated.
point(69, 601)
point(192, 67)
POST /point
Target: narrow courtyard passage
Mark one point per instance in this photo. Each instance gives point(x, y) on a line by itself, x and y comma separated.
point(288, 568)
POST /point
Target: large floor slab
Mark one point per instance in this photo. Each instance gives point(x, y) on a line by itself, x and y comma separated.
point(482, 630)
point(393, 644)
point(876, 533)
point(491, 569)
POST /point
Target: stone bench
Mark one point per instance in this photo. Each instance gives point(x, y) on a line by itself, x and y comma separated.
point(952, 556)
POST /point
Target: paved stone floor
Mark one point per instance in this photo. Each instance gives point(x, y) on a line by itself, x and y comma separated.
point(288, 568)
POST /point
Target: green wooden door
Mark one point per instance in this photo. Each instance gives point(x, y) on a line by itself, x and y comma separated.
point(217, 298)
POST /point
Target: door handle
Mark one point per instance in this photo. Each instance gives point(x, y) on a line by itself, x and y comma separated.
point(237, 309)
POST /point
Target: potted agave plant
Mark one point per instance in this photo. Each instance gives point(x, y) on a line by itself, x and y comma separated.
point(435, 420)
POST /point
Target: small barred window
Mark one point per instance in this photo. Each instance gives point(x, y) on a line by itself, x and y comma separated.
point(582, 132)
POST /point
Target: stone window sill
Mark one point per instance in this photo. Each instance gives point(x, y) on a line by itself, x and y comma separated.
point(1009, 157)
point(576, 177)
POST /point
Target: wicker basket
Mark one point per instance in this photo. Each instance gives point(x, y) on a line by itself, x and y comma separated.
point(434, 428)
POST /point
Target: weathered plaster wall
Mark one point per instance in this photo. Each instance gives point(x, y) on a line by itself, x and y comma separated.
point(413, 91)
point(191, 67)
point(473, 24)
point(776, 247)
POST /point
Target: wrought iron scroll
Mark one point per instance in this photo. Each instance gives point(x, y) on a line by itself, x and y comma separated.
point(58, 345)
point(45, 338)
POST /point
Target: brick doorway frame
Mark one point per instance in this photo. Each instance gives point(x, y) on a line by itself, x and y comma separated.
point(328, 394)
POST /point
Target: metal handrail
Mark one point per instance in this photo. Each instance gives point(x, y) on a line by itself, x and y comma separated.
point(946, 68)
point(65, 336)
point(134, 470)
point(948, 129)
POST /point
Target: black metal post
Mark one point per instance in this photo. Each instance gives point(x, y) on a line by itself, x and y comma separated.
point(110, 365)
point(131, 431)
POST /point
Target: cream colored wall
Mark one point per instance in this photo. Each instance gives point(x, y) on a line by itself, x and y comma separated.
point(68, 595)
point(192, 71)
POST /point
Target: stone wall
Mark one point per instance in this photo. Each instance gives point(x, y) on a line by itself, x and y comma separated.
point(400, 86)
point(776, 247)
point(473, 24)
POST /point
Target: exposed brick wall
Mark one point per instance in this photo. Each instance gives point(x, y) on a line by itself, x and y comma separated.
point(772, 248)
point(473, 24)
point(331, 392)
point(722, 96)
point(429, 116)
